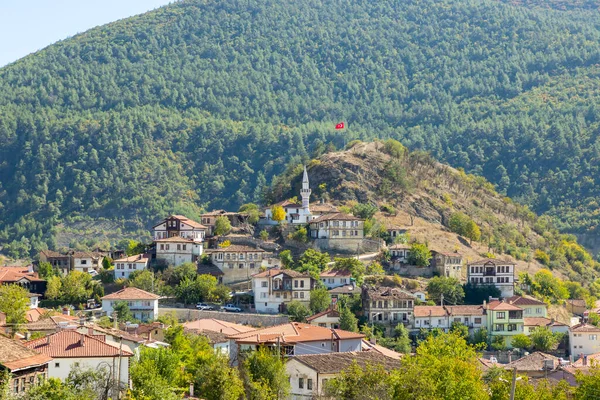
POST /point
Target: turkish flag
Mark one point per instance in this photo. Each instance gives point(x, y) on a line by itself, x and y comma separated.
point(340, 126)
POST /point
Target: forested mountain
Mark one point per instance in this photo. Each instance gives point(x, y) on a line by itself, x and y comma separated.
point(198, 104)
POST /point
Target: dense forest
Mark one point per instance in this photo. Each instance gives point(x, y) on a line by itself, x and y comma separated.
point(200, 103)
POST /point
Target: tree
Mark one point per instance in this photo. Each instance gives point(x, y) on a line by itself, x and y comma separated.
point(133, 247)
point(123, 312)
point(144, 280)
point(277, 213)
point(186, 270)
point(266, 376)
point(480, 337)
point(419, 255)
point(354, 382)
point(375, 269)
point(297, 311)
point(300, 235)
point(264, 235)
point(450, 288)
point(45, 270)
point(356, 267)
point(53, 288)
point(521, 341)
point(543, 339)
point(402, 340)
point(472, 231)
point(319, 300)
point(460, 329)
point(348, 321)
point(14, 303)
point(463, 225)
point(477, 293)
point(154, 374)
point(546, 285)
point(222, 226)
point(286, 259)
point(253, 212)
point(313, 260)
point(498, 343)
point(76, 287)
point(589, 384)
point(364, 211)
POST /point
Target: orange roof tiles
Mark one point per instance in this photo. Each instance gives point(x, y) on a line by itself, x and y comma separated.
point(216, 325)
point(584, 328)
point(429, 311)
point(236, 248)
point(175, 239)
point(336, 272)
point(335, 217)
point(15, 356)
point(72, 344)
point(276, 271)
point(131, 293)
point(524, 301)
point(294, 332)
point(497, 305)
point(14, 274)
point(143, 258)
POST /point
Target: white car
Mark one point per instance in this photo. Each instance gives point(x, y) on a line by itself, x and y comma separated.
point(93, 272)
point(493, 360)
point(231, 308)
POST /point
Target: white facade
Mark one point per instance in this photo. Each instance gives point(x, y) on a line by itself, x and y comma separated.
point(399, 253)
point(238, 263)
point(143, 305)
point(584, 339)
point(87, 262)
point(333, 279)
point(176, 251)
point(304, 381)
point(126, 266)
point(499, 273)
point(294, 213)
point(180, 226)
point(274, 288)
point(442, 317)
point(337, 226)
point(61, 367)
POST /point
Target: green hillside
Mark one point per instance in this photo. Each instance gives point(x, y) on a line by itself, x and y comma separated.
point(200, 103)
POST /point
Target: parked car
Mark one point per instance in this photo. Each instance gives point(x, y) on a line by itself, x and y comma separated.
point(231, 308)
point(93, 272)
point(203, 306)
point(493, 360)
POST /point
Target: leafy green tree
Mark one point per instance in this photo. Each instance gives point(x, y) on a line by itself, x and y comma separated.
point(154, 374)
point(460, 329)
point(480, 337)
point(463, 225)
point(319, 300)
point(498, 343)
point(543, 339)
point(313, 260)
point(354, 382)
point(123, 312)
point(14, 303)
point(364, 211)
point(588, 384)
point(253, 212)
point(286, 259)
point(264, 235)
point(45, 270)
point(133, 247)
point(222, 226)
point(300, 235)
point(449, 288)
point(186, 270)
point(297, 311)
point(375, 269)
point(266, 376)
point(546, 285)
point(356, 267)
point(419, 255)
point(521, 341)
point(145, 280)
point(348, 320)
point(402, 340)
point(477, 293)
point(53, 288)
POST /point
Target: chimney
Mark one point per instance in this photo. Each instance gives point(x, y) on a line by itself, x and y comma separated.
point(191, 389)
point(509, 357)
point(484, 303)
point(90, 331)
point(48, 339)
point(82, 340)
point(27, 335)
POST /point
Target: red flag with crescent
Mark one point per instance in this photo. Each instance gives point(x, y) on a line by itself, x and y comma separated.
point(340, 126)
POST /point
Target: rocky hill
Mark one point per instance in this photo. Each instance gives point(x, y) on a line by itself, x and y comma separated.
point(424, 195)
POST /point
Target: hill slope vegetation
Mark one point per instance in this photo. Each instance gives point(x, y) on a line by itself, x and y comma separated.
point(201, 103)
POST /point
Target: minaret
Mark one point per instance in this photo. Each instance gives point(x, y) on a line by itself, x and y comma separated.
point(305, 193)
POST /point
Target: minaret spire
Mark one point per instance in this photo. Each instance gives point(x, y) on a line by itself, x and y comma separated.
point(305, 193)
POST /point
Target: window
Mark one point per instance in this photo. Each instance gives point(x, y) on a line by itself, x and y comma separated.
point(295, 295)
point(251, 265)
point(178, 247)
point(277, 295)
point(264, 284)
point(309, 384)
point(440, 322)
point(296, 283)
point(593, 337)
point(56, 365)
point(263, 295)
point(538, 310)
point(501, 315)
point(184, 246)
point(167, 247)
point(301, 284)
point(83, 262)
point(301, 295)
point(477, 320)
point(241, 266)
point(162, 246)
point(499, 328)
point(230, 265)
point(512, 327)
point(300, 383)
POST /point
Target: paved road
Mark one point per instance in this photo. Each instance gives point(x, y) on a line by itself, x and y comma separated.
point(362, 257)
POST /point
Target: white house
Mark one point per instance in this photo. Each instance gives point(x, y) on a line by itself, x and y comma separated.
point(143, 305)
point(447, 264)
point(125, 266)
point(387, 305)
point(84, 261)
point(310, 373)
point(399, 253)
point(179, 226)
point(337, 226)
point(584, 339)
point(490, 271)
point(33, 300)
point(275, 287)
point(335, 278)
point(70, 349)
point(329, 318)
point(177, 250)
point(294, 213)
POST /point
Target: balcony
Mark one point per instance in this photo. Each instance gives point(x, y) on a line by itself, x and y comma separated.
point(489, 272)
point(515, 315)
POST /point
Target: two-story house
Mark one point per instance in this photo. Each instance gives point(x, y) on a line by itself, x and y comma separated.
point(505, 320)
point(295, 338)
point(335, 278)
point(337, 226)
point(238, 262)
point(24, 277)
point(209, 219)
point(387, 305)
point(83, 261)
point(126, 266)
point(329, 318)
point(275, 287)
point(177, 250)
point(27, 368)
point(584, 339)
point(61, 262)
point(489, 271)
point(143, 305)
point(179, 226)
point(442, 317)
point(447, 264)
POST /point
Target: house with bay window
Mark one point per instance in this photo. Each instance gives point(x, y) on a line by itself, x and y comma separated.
point(275, 288)
point(238, 262)
point(504, 319)
point(126, 266)
point(387, 305)
point(496, 272)
point(143, 305)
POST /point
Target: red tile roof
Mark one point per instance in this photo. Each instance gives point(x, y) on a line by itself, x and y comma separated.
point(72, 344)
point(143, 258)
point(183, 219)
point(216, 325)
point(495, 261)
point(497, 305)
point(336, 272)
point(335, 217)
point(584, 328)
point(429, 311)
point(175, 239)
point(293, 332)
point(15, 356)
point(276, 271)
point(465, 310)
point(236, 248)
point(524, 301)
point(329, 313)
point(14, 274)
point(541, 321)
point(131, 293)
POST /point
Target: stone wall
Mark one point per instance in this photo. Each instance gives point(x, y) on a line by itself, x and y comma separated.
point(412, 270)
point(257, 320)
point(347, 245)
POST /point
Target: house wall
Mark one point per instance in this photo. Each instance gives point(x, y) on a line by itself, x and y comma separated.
point(139, 308)
point(502, 280)
point(297, 370)
point(585, 343)
point(172, 255)
point(61, 367)
point(534, 311)
point(86, 264)
point(267, 300)
point(412, 270)
point(326, 321)
point(238, 270)
point(21, 380)
point(258, 320)
point(333, 282)
point(123, 270)
point(348, 244)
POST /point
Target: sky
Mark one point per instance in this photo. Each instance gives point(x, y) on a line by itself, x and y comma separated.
point(27, 26)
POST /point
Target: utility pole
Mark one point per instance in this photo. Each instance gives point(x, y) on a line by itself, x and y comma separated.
point(442, 299)
point(513, 385)
point(278, 348)
point(119, 369)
